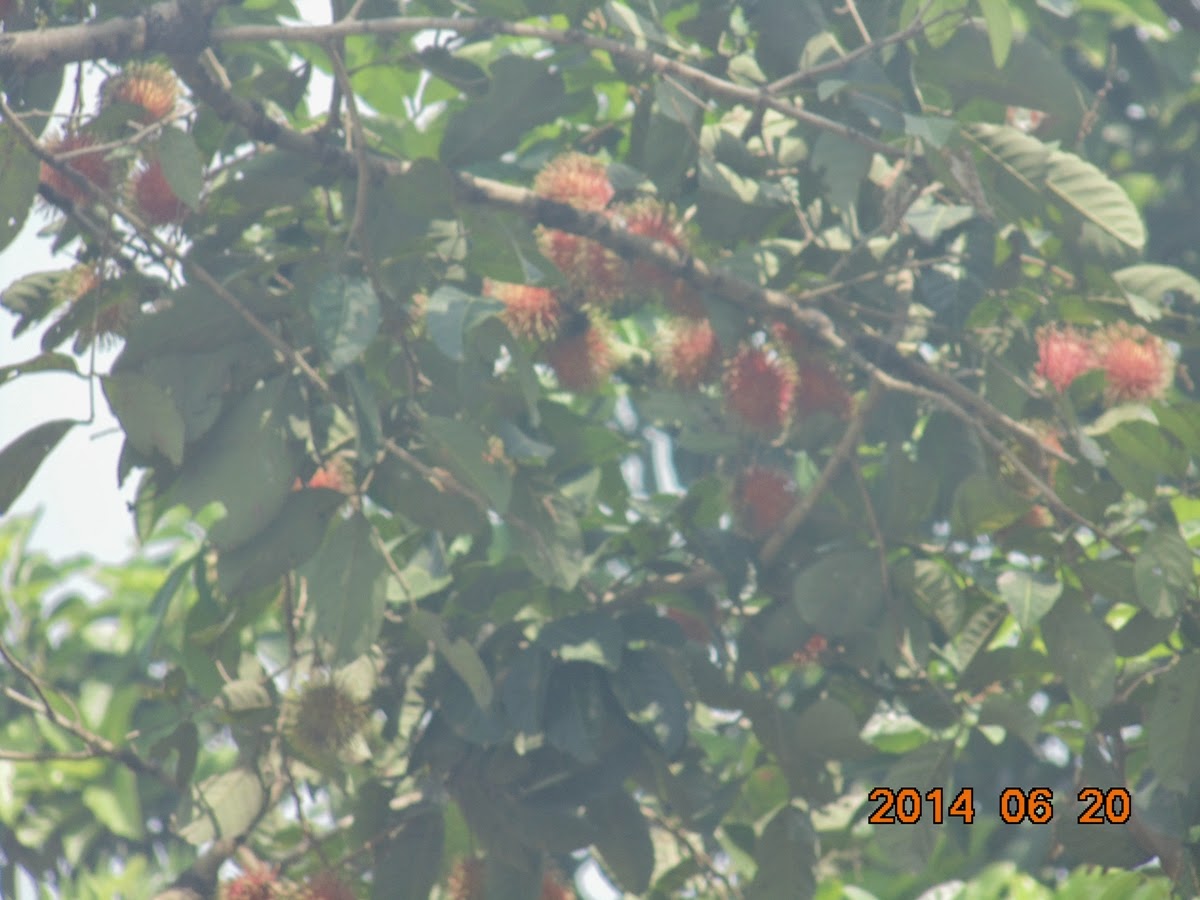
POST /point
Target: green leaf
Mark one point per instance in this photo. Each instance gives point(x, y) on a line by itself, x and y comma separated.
point(408, 865)
point(346, 315)
point(651, 697)
point(147, 414)
point(523, 689)
point(623, 840)
point(831, 730)
point(998, 18)
point(289, 541)
point(461, 656)
point(445, 313)
point(222, 805)
point(1109, 224)
point(786, 854)
point(18, 183)
point(1173, 725)
point(347, 589)
point(117, 804)
point(1149, 282)
point(181, 165)
point(546, 534)
point(468, 454)
point(575, 710)
point(1030, 595)
point(1163, 573)
point(840, 593)
point(587, 637)
point(245, 463)
point(975, 635)
point(1081, 650)
point(19, 461)
point(523, 94)
point(983, 505)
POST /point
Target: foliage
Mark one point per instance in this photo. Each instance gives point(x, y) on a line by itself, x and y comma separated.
point(662, 431)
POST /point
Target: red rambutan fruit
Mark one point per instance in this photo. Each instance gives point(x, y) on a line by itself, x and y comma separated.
point(688, 352)
point(259, 883)
point(1063, 355)
point(684, 300)
point(530, 312)
point(762, 498)
point(582, 181)
point(1137, 364)
point(651, 219)
point(327, 886)
point(152, 86)
point(582, 361)
point(335, 475)
point(154, 197)
point(819, 389)
point(759, 389)
point(92, 166)
point(692, 626)
point(591, 269)
point(812, 650)
point(467, 880)
point(554, 889)
point(792, 340)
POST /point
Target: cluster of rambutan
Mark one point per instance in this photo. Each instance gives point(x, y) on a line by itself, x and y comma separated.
point(264, 883)
point(152, 92)
point(572, 325)
point(1137, 365)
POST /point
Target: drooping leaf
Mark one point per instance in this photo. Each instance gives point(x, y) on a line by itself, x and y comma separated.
point(623, 840)
point(461, 656)
point(649, 694)
point(181, 165)
point(18, 183)
point(19, 461)
point(840, 593)
point(348, 589)
point(1029, 595)
point(151, 422)
point(1081, 649)
point(346, 315)
point(1173, 724)
point(1163, 573)
point(785, 853)
point(223, 805)
point(592, 637)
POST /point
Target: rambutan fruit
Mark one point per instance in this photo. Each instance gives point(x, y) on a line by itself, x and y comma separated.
point(335, 475)
point(792, 340)
point(591, 269)
point(324, 719)
point(687, 352)
point(759, 389)
point(259, 883)
point(1137, 364)
point(151, 86)
point(554, 889)
point(582, 181)
point(582, 360)
point(530, 312)
point(812, 650)
point(1063, 355)
point(78, 281)
point(684, 300)
point(692, 626)
point(327, 886)
point(819, 389)
point(155, 198)
point(91, 165)
point(651, 219)
point(466, 881)
point(762, 498)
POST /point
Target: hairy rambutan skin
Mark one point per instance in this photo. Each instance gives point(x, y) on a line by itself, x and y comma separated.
point(151, 86)
point(648, 218)
point(467, 880)
point(91, 165)
point(259, 883)
point(1063, 355)
point(583, 361)
point(820, 390)
point(531, 312)
point(327, 886)
point(760, 387)
point(688, 352)
point(155, 198)
point(1137, 364)
point(762, 498)
point(592, 271)
point(324, 719)
point(577, 179)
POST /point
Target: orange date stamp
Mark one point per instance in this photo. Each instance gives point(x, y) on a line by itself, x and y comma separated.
point(908, 806)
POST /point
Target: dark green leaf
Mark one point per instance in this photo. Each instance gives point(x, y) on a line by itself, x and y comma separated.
point(1163, 573)
point(840, 593)
point(1030, 595)
point(1081, 649)
point(785, 853)
point(623, 840)
point(651, 697)
point(182, 165)
point(1173, 725)
point(347, 589)
point(346, 315)
point(18, 183)
point(152, 423)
